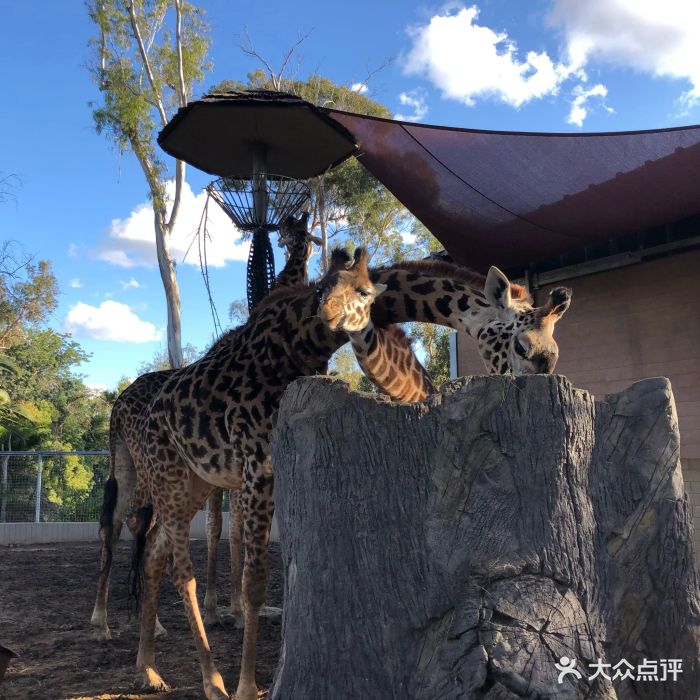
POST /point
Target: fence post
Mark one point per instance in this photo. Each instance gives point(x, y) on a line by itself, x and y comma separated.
point(3, 488)
point(37, 502)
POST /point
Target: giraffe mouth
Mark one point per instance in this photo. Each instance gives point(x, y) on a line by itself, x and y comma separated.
point(336, 322)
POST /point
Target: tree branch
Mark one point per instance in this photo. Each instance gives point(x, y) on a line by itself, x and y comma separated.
point(182, 89)
point(146, 62)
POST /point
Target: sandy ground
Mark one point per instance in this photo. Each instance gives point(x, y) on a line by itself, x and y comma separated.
point(46, 598)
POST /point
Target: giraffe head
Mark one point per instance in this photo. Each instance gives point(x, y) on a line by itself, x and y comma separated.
point(513, 335)
point(346, 293)
point(293, 230)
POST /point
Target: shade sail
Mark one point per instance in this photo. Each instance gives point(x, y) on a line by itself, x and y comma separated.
point(508, 198)
point(219, 133)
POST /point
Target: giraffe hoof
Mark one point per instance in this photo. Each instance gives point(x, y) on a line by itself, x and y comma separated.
point(101, 634)
point(232, 617)
point(246, 691)
point(212, 619)
point(268, 611)
point(152, 681)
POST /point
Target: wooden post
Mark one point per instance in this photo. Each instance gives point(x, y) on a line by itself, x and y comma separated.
point(477, 545)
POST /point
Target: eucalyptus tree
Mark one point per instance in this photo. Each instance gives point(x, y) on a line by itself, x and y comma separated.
point(146, 57)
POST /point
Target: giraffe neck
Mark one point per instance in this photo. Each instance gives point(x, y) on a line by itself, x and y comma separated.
point(387, 358)
point(295, 269)
point(443, 294)
point(289, 318)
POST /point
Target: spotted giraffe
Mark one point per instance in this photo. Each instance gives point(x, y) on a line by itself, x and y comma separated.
point(209, 425)
point(386, 355)
point(295, 236)
point(124, 417)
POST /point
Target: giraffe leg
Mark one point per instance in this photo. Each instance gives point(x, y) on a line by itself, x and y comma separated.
point(124, 474)
point(99, 613)
point(214, 504)
point(153, 566)
point(235, 525)
point(183, 579)
point(257, 516)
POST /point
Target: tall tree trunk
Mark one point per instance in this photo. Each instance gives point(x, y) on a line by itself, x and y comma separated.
point(172, 291)
point(461, 547)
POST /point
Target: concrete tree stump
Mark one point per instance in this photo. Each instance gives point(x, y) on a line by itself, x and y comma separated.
point(459, 548)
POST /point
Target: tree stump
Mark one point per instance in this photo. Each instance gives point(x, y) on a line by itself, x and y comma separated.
point(459, 548)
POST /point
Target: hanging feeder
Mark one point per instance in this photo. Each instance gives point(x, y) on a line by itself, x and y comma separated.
point(259, 205)
point(244, 135)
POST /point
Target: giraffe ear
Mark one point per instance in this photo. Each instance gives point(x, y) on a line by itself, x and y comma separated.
point(379, 289)
point(497, 289)
point(558, 302)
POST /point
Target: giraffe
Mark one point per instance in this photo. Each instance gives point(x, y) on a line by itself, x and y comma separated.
point(386, 356)
point(294, 235)
point(209, 424)
point(125, 414)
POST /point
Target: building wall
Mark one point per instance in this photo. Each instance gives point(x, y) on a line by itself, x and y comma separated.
point(627, 324)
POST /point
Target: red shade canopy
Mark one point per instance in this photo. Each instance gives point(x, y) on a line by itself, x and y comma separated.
point(509, 198)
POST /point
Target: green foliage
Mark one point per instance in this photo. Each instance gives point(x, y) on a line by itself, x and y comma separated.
point(238, 312)
point(435, 342)
point(135, 64)
point(349, 206)
point(160, 361)
point(27, 292)
point(344, 366)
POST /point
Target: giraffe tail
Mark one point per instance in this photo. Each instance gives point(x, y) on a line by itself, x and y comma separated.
point(144, 518)
point(109, 503)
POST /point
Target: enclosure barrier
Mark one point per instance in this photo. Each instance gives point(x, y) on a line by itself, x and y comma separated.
point(56, 496)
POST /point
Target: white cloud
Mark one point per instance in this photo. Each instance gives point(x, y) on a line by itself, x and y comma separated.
point(72, 250)
point(468, 61)
point(579, 105)
point(130, 242)
point(109, 321)
point(130, 284)
point(75, 283)
point(359, 87)
point(415, 99)
point(658, 38)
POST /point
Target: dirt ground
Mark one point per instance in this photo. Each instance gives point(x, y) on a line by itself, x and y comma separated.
point(46, 598)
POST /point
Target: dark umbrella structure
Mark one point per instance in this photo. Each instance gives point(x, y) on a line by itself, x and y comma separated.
point(491, 197)
point(263, 145)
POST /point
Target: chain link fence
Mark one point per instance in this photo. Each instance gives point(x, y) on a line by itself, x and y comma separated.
point(52, 486)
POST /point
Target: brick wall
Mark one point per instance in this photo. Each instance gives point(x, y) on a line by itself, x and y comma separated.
point(628, 324)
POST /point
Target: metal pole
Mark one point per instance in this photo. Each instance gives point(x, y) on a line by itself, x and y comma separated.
point(37, 501)
point(259, 183)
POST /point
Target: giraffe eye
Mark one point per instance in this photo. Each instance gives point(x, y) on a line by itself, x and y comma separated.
point(519, 348)
point(363, 293)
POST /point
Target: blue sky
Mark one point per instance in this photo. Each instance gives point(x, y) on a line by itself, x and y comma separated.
point(543, 65)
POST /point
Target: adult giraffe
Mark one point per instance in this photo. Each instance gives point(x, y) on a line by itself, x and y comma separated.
point(215, 415)
point(124, 419)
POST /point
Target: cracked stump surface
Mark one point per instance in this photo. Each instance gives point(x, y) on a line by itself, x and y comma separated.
point(45, 605)
point(458, 548)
